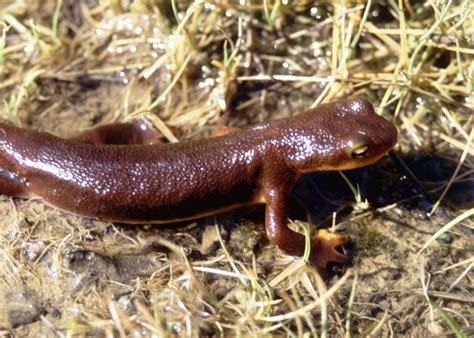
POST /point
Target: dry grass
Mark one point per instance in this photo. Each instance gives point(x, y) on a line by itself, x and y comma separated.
point(189, 66)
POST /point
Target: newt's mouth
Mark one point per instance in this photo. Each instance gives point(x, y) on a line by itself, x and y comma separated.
point(350, 164)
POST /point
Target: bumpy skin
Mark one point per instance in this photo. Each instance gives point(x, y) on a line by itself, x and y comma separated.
point(171, 182)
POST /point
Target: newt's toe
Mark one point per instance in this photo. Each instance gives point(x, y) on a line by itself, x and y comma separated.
point(323, 249)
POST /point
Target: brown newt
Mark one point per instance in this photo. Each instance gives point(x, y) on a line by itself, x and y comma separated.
point(162, 183)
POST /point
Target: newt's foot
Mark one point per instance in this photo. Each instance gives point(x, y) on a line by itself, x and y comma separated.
point(323, 250)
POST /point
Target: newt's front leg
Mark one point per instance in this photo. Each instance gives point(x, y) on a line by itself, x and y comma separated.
point(323, 244)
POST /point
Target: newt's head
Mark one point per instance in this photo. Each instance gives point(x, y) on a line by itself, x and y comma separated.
point(340, 135)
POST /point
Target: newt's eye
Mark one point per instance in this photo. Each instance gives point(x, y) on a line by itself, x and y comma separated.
point(360, 151)
point(358, 145)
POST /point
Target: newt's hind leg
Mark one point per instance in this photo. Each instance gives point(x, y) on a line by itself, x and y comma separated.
point(134, 132)
point(223, 130)
point(12, 185)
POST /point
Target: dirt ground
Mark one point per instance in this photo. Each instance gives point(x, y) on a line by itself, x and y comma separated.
point(66, 66)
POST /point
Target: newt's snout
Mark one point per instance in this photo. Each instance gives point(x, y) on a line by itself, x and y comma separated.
point(382, 133)
point(369, 136)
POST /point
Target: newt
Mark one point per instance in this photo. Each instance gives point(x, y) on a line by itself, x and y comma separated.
point(133, 182)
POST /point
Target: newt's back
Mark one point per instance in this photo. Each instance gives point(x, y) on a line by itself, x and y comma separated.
point(133, 183)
